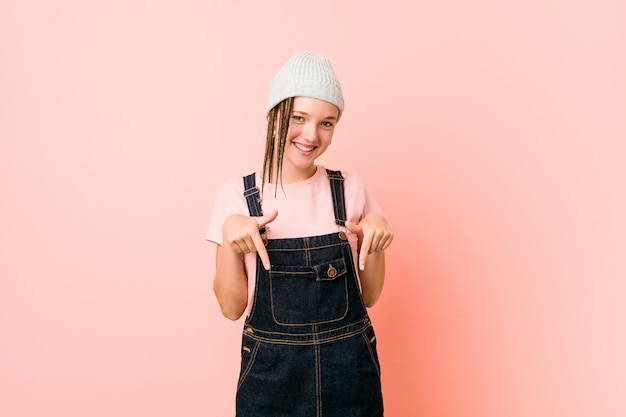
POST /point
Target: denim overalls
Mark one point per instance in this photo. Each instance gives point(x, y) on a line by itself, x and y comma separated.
point(308, 347)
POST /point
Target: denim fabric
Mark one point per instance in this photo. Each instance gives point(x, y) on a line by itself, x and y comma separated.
point(336, 186)
point(308, 345)
point(253, 197)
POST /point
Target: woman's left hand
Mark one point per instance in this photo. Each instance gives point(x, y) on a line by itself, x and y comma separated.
point(374, 234)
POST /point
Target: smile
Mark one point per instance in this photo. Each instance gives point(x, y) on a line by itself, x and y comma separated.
point(304, 148)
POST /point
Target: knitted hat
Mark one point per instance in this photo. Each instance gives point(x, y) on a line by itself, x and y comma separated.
point(306, 75)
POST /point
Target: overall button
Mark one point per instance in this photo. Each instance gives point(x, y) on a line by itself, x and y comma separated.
point(342, 235)
point(332, 271)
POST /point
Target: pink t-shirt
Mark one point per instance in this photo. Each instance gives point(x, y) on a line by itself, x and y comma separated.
point(304, 209)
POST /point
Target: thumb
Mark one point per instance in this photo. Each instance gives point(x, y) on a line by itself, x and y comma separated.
point(267, 218)
point(354, 228)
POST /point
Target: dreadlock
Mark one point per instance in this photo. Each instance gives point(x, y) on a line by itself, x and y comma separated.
point(277, 126)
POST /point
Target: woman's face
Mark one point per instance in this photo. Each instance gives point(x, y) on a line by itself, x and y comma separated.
point(310, 132)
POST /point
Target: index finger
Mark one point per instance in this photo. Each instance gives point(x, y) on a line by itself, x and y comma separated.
point(260, 249)
point(365, 250)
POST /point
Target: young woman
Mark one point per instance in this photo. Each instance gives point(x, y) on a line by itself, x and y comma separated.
point(300, 248)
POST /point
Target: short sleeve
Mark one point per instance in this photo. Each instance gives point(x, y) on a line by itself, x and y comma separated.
point(229, 200)
point(359, 201)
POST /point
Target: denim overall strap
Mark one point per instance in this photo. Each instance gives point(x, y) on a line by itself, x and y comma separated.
point(253, 197)
point(336, 186)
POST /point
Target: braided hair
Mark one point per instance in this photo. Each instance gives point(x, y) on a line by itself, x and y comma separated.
point(277, 125)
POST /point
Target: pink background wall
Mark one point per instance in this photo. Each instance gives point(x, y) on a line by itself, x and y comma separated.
point(492, 132)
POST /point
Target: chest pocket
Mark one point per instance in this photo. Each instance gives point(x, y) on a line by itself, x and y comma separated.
point(304, 295)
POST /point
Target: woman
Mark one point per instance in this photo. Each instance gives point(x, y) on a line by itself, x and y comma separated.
point(304, 255)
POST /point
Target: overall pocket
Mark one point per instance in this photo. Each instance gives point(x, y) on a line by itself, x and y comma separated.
point(249, 348)
point(370, 342)
point(309, 295)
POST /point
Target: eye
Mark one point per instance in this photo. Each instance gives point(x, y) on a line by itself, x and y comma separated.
point(327, 124)
point(297, 118)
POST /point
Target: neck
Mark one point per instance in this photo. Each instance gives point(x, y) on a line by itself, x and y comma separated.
point(290, 176)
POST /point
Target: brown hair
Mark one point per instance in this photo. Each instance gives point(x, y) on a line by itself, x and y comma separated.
point(277, 126)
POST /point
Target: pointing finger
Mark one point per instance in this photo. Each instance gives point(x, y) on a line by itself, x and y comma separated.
point(365, 249)
point(259, 244)
point(260, 248)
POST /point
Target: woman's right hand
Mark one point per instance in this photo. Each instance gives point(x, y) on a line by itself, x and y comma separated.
point(241, 234)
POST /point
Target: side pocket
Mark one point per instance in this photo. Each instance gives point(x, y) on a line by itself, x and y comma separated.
point(249, 349)
point(370, 341)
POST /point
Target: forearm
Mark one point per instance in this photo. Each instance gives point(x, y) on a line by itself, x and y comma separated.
point(230, 284)
point(372, 278)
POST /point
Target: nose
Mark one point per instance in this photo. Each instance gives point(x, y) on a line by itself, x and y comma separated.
point(309, 132)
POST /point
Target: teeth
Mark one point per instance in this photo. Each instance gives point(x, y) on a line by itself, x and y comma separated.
point(304, 148)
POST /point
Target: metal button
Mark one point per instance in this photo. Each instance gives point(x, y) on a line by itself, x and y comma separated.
point(342, 235)
point(332, 271)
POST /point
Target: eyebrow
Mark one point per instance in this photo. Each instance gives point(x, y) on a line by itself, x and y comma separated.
point(307, 114)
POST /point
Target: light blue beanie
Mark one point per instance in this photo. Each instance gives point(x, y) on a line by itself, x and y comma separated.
point(306, 75)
